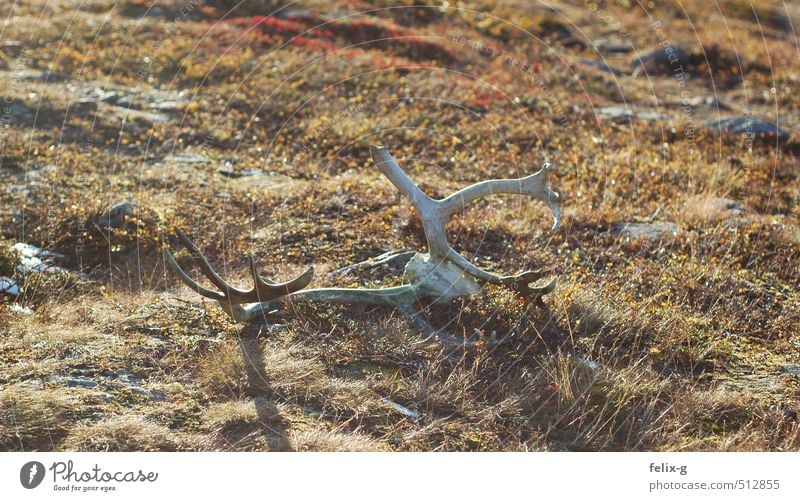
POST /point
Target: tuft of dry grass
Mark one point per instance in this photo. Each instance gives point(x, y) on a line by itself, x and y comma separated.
point(34, 419)
point(129, 433)
point(332, 441)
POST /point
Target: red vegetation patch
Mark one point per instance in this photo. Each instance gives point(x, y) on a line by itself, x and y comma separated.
point(486, 99)
point(317, 33)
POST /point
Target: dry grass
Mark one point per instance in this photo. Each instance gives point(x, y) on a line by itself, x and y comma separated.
point(36, 419)
point(129, 433)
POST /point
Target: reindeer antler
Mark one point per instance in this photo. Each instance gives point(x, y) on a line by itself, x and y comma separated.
point(434, 215)
point(263, 289)
point(441, 275)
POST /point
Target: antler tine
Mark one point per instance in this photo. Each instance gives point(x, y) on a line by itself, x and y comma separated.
point(251, 262)
point(269, 289)
point(263, 289)
point(205, 266)
point(188, 281)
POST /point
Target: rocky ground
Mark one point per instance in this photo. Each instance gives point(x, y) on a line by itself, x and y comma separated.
point(674, 135)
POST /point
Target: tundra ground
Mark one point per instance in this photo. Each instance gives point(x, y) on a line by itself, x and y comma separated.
point(676, 318)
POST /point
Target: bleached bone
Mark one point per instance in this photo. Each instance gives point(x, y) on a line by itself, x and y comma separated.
point(440, 275)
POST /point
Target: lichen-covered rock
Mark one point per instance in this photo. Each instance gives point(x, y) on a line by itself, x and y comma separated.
point(748, 126)
point(648, 231)
point(116, 215)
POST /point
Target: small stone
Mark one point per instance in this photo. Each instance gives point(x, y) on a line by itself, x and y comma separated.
point(603, 66)
point(793, 369)
point(747, 126)
point(136, 115)
point(710, 101)
point(188, 158)
point(115, 216)
point(614, 47)
point(9, 286)
point(228, 171)
point(660, 61)
point(167, 105)
point(11, 48)
point(16, 113)
point(32, 75)
point(622, 114)
point(80, 382)
point(97, 95)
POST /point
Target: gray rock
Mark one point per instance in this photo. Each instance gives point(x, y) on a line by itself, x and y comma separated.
point(122, 376)
point(9, 286)
point(710, 101)
point(747, 126)
point(11, 48)
point(228, 171)
point(154, 395)
point(188, 158)
point(33, 383)
point(648, 231)
point(19, 188)
point(167, 105)
point(614, 47)
point(603, 66)
point(137, 115)
point(28, 249)
point(793, 369)
point(16, 113)
point(659, 61)
point(126, 101)
point(80, 382)
point(622, 114)
point(114, 216)
point(33, 75)
point(94, 95)
point(157, 396)
point(156, 12)
point(41, 172)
